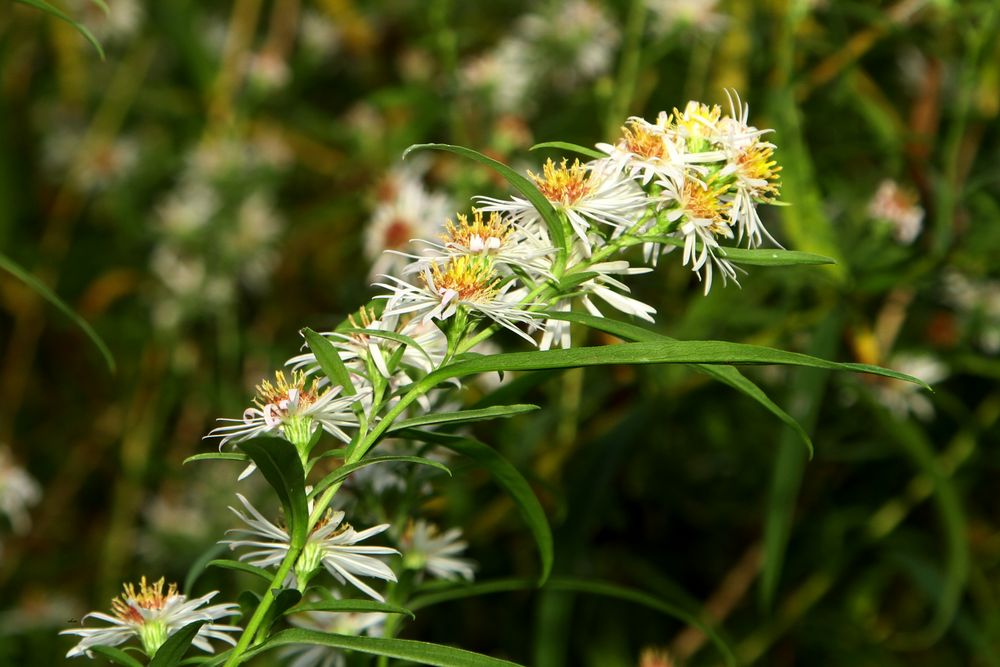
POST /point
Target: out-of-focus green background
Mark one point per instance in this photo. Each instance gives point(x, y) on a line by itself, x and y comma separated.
point(207, 189)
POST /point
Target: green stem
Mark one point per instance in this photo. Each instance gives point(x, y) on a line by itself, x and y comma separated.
point(253, 626)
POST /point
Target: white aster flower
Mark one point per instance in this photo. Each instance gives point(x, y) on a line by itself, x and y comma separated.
point(332, 544)
point(701, 223)
point(18, 492)
point(592, 196)
point(897, 206)
point(671, 15)
point(467, 281)
point(647, 151)
point(153, 615)
point(509, 245)
point(504, 76)
point(406, 210)
point(575, 41)
point(905, 398)
point(426, 548)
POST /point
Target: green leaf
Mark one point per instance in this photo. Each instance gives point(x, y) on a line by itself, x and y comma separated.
point(464, 416)
point(217, 456)
point(344, 471)
point(725, 374)
point(567, 146)
point(519, 183)
point(279, 462)
point(402, 649)
point(117, 656)
point(576, 585)
point(198, 567)
point(59, 14)
point(42, 290)
point(659, 352)
point(509, 478)
point(329, 361)
point(759, 256)
point(240, 566)
point(248, 602)
point(172, 651)
point(354, 606)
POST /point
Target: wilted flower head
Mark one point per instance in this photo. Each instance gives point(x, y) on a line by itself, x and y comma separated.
point(152, 615)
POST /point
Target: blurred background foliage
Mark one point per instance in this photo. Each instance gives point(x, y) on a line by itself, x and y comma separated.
point(227, 174)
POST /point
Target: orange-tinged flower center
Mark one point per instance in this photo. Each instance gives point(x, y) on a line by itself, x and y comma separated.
point(643, 142)
point(283, 390)
point(397, 234)
point(702, 202)
point(562, 184)
point(149, 597)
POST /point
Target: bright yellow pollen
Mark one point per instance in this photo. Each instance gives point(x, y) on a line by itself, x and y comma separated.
point(756, 163)
point(465, 233)
point(150, 596)
point(471, 277)
point(640, 141)
point(269, 393)
point(563, 185)
point(697, 120)
point(704, 203)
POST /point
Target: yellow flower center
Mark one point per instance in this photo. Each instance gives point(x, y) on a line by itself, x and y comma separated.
point(470, 277)
point(704, 203)
point(479, 235)
point(756, 163)
point(563, 185)
point(698, 120)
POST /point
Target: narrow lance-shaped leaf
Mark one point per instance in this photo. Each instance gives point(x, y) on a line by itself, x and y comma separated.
point(659, 352)
point(725, 374)
point(240, 566)
point(506, 476)
point(567, 146)
point(463, 416)
point(519, 183)
point(279, 462)
point(402, 649)
point(52, 10)
point(758, 256)
point(172, 651)
point(217, 456)
point(329, 361)
point(40, 288)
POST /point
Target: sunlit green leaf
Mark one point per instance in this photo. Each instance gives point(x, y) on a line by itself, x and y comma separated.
point(218, 456)
point(329, 361)
point(115, 655)
point(353, 606)
point(573, 148)
point(759, 256)
point(52, 10)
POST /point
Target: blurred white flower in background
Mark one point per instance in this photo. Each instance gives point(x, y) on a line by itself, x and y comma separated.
point(18, 492)
point(426, 549)
point(906, 398)
point(897, 206)
point(669, 16)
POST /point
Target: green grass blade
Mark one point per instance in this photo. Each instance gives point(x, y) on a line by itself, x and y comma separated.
point(52, 10)
point(41, 289)
point(352, 606)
